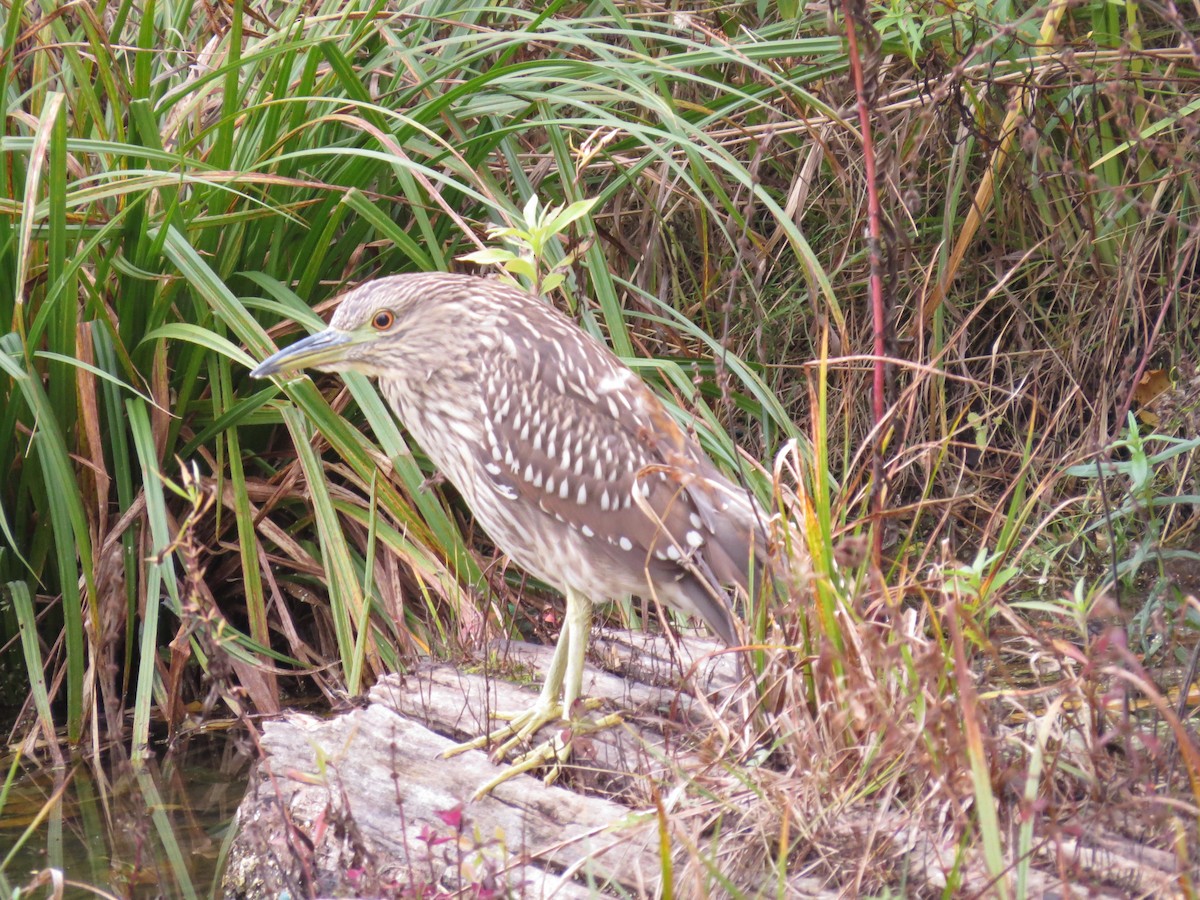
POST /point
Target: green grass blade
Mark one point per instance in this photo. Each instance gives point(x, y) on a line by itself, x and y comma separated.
point(159, 571)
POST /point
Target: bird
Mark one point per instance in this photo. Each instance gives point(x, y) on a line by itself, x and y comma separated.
point(569, 461)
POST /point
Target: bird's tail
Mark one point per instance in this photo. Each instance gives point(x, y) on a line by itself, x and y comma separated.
point(734, 558)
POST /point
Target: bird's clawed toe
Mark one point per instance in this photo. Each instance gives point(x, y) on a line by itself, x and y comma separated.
point(524, 725)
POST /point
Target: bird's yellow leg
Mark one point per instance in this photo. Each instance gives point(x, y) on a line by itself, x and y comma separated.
point(563, 685)
point(546, 709)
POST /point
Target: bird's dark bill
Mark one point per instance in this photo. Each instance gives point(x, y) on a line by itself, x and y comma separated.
point(325, 349)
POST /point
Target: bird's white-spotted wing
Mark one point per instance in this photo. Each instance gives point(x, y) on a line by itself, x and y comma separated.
point(571, 431)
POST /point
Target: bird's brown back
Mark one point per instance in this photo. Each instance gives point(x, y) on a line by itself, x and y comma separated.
point(570, 461)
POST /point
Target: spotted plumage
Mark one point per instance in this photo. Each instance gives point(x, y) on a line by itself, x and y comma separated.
point(572, 465)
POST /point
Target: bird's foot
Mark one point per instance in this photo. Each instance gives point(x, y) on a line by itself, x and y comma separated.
point(522, 726)
point(553, 752)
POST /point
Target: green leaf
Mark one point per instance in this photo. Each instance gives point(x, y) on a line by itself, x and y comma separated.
point(489, 257)
point(530, 212)
point(34, 663)
point(573, 212)
point(345, 590)
point(522, 267)
point(203, 337)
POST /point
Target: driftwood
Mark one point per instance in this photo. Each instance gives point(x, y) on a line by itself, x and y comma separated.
point(362, 804)
point(370, 807)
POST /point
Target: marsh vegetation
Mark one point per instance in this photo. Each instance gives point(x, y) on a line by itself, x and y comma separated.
point(931, 292)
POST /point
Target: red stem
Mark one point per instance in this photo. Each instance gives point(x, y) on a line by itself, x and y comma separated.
point(879, 320)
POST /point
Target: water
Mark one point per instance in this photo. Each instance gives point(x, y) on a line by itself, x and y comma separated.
point(158, 830)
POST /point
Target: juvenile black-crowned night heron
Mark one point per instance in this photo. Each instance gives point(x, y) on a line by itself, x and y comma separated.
point(573, 466)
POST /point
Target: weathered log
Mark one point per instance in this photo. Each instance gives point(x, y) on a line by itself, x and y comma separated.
point(364, 801)
point(662, 735)
point(363, 804)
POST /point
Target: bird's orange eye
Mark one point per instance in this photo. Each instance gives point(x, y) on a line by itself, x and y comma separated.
point(384, 319)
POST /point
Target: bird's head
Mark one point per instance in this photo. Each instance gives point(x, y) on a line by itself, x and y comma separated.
point(380, 326)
